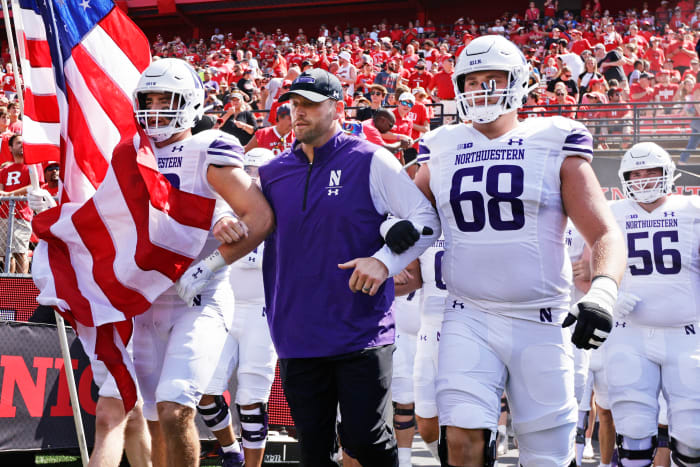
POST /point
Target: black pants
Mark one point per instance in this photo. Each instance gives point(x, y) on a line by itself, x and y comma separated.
point(359, 382)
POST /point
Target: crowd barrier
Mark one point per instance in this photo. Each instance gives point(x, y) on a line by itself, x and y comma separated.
point(664, 123)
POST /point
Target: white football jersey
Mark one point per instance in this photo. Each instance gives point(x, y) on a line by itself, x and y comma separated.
point(502, 215)
point(663, 260)
point(185, 163)
point(247, 279)
point(434, 289)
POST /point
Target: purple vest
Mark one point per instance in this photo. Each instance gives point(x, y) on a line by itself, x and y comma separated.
point(325, 216)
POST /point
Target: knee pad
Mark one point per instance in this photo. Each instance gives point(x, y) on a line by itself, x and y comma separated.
point(489, 447)
point(254, 426)
point(639, 454)
point(405, 412)
point(684, 455)
point(216, 415)
point(663, 437)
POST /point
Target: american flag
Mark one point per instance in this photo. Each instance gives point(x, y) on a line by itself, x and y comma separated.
point(121, 235)
point(80, 62)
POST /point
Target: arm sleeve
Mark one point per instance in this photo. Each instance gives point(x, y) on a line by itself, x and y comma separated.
point(224, 149)
point(578, 142)
point(393, 192)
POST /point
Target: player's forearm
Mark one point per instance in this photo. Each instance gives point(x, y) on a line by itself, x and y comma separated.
point(609, 255)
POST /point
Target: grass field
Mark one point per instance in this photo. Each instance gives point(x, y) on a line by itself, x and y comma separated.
point(57, 461)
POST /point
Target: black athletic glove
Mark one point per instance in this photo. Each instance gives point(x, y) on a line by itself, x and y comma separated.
point(593, 314)
point(402, 234)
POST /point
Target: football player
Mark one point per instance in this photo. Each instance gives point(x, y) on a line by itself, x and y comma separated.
point(589, 367)
point(407, 312)
point(503, 190)
point(175, 344)
point(249, 351)
point(654, 346)
point(425, 371)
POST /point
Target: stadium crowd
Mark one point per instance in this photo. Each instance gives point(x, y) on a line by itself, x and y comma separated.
point(600, 67)
point(635, 56)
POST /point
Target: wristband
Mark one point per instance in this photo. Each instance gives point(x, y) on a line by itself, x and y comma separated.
point(214, 261)
point(606, 283)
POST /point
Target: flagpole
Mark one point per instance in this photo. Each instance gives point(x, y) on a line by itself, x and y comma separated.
point(13, 55)
point(33, 175)
point(75, 402)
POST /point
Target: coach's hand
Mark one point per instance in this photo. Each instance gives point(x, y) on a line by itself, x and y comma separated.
point(368, 276)
point(400, 235)
point(230, 229)
point(196, 277)
point(593, 314)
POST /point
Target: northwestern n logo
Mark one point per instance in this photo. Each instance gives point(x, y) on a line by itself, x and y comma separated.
point(334, 183)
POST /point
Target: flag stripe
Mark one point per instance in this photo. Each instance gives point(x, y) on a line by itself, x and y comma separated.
point(128, 37)
point(176, 203)
point(76, 186)
point(98, 242)
point(114, 62)
point(38, 52)
point(115, 104)
point(42, 81)
point(33, 24)
point(64, 275)
point(41, 108)
point(49, 152)
point(110, 203)
point(42, 133)
point(102, 129)
point(147, 255)
point(92, 163)
point(109, 353)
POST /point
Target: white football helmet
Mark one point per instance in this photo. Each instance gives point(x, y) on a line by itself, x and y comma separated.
point(647, 156)
point(491, 53)
point(177, 77)
point(255, 158)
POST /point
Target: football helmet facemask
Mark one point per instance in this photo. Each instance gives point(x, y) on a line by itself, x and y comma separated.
point(178, 80)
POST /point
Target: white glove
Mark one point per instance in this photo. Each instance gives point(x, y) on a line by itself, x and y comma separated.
point(40, 200)
point(196, 277)
point(625, 304)
point(593, 314)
